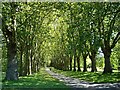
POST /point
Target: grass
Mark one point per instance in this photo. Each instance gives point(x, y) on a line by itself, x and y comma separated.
point(94, 77)
point(39, 80)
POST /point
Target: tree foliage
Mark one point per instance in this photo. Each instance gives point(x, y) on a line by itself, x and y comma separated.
point(58, 34)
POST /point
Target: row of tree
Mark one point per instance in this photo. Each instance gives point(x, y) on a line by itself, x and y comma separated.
point(23, 36)
point(91, 26)
point(58, 34)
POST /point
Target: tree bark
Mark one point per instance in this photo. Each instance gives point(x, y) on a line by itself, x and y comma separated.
point(93, 65)
point(31, 62)
point(70, 63)
point(34, 66)
point(107, 68)
point(85, 65)
point(21, 66)
point(26, 62)
point(12, 65)
point(119, 64)
point(93, 61)
point(78, 63)
point(74, 61)
point(94, 69)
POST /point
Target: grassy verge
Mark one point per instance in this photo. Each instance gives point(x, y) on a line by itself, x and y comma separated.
point(95, 77)
point(38, 80)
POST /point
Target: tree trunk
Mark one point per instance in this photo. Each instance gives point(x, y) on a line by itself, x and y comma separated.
point(12, 65)
point(70, 63)
point(75, 62)
point(119, 64)
point(107, 68)
point(93, 66)
point(34, 64)
point(26, 62)
point(21, 67)
point(78, 63)
point(31, 62)
point(93, 61)
point(85, 65)
point(38, 67)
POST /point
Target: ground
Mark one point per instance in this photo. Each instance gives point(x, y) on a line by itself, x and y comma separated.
point(39, 80)
point(65, 80)
point(83, 85)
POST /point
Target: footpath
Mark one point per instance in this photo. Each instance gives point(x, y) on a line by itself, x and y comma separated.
point(77, 84)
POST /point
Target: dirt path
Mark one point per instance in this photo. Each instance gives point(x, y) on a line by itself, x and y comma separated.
point(82, 85)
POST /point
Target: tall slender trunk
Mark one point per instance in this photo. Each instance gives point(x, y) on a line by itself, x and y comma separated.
point(21, 66)
point(38, 66)
point(118, 64)
point(78, 63)
point(70, 63)
point(12, 65)
point(74, 60)
point(26, 62)
point(75, 63)
point(31, 62)
point(85, 65)
point(34, 64)
point(32, 69)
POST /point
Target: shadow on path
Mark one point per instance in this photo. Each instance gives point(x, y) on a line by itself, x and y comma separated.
point(77, 84)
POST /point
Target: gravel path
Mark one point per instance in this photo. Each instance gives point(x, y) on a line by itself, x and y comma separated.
point(82, 85)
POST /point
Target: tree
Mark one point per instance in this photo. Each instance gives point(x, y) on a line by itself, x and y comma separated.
point(9, 31)
point(107, 27)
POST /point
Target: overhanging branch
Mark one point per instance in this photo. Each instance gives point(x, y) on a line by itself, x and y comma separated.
point(117, 38)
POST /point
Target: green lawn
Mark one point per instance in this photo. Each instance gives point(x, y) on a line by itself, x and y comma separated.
point(95, 77)
point(38, 80)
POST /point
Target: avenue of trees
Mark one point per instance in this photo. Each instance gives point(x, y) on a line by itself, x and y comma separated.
point(59, 34)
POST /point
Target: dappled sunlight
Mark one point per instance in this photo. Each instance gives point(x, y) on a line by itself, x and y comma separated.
point(83, 83)
point(38, 80)
point(95, 77)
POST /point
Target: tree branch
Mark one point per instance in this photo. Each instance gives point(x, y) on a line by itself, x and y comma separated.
point(112, 24)
point(117, 38)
